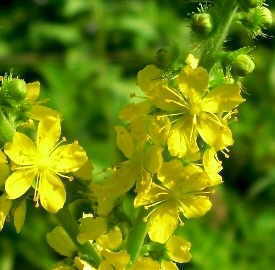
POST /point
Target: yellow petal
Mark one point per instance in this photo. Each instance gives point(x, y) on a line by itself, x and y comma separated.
point(91, 228)
point(195, 206)
point(214, 132)
point(21, 150)
point(110, 240)
point(105, 265)
point(124, 141)
point(212, 166)
point(60, 241)
point(20, 215)
point(52, 193)
point(177, 144)
point(3, 158)
point(33, 91)
point(196, 79)
point(149, 78)
point(153, 158)
point(39, 113)
point(163, 223)
point(178, 249)
point(68, 158)
point(132, 111)
point(48, 134)
point(80, 264)
point(4, 173)
point(146, 263)
point(223, 99)
point(159, 129)
point(19, 182)
point(139, 130)
point(5, 206)
point(119, 260)
point(167, 265)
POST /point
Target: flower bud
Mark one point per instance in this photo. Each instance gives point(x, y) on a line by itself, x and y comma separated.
point(202, 23)
point(246, 4)
point(257, 19)
point(243, 65)
point(16, 88)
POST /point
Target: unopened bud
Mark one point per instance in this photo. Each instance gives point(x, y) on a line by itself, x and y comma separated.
point(243, 65)
point(247, 4)
point(16, 88)
point(266, 16)
point(202, 23)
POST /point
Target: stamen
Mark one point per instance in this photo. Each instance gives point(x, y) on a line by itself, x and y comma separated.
point(177, 103)
point(174, 93)
point(61, 141)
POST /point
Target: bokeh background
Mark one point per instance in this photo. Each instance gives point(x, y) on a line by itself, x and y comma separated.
point(86, 54)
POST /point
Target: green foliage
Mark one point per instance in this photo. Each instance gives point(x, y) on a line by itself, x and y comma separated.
point(86, 54)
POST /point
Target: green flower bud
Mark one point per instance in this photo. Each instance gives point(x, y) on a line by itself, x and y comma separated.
point(246, 4)
point(243, 65)
point(16, 88)
point(257, 19)
point(202, 23)
point(266, 16)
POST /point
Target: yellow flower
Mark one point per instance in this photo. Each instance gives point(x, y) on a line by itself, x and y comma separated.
point(182, 190)
point(42, 164)
point(191, 104)
point(144, 159)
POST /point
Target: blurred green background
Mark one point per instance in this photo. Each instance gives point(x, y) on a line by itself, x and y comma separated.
point(86, 54)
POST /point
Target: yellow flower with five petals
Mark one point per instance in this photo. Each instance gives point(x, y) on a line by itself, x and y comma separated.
point(182, 190)
point(41, 164)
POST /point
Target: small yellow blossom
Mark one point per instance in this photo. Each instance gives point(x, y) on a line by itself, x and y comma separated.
point(191, 102)
point(114, 260)
point(42, 164)
point(182, 190)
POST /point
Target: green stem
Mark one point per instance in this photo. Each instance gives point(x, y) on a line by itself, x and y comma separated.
point(70, 225)
point(226, 12)
point(136, 238)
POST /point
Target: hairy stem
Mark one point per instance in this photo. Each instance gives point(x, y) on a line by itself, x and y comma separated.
point(225, 11)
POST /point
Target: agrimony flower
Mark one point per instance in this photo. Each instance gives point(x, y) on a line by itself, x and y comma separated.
point(182, 190)
point(41, 164)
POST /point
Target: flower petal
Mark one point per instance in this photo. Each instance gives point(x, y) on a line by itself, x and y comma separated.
point(52, 193)
point(125, 141)
point(39, 113)
point(195, 206)
point(48, 133)
point(110, 240)
point(223, 99)
point(167, 265)
point(5, 206)
point(21, 150)
point(149, 78)
point(33, 91)
point(146, 263)
point(213, 132)
point(68, 158)
point(91, 228)
point(19, 182)
point(178, 249)
point(163, 222)
point(196, 79)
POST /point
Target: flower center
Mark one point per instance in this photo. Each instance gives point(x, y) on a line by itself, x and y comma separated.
point(43, 162)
